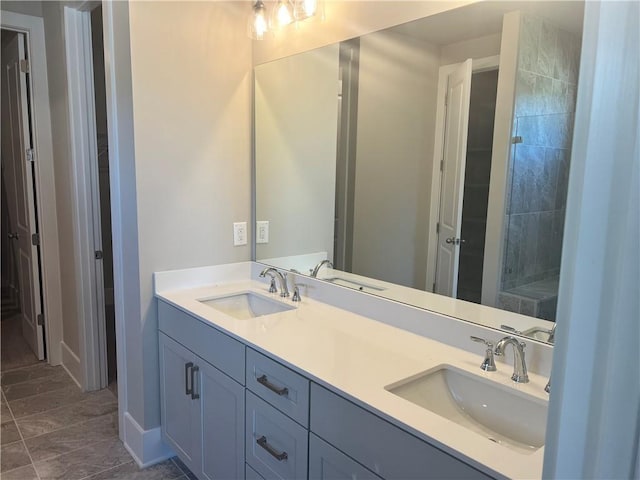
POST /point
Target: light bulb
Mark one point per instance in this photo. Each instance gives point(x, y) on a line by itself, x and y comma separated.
point(257, 26)
point(306, 8)
point(282, 14)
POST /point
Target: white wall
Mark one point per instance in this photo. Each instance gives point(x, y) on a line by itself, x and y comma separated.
point(479, 47)
point(191, 97)
point(398, 81)
point(296, 129)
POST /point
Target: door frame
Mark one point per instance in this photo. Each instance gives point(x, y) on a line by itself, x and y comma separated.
point(33, 28)
point(479, 65)
point(85, 199)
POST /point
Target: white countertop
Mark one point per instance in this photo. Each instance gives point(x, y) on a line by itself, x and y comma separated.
point(357, 357)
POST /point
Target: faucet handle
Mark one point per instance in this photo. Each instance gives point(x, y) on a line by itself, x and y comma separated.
point(488, 364)
point(272, 286)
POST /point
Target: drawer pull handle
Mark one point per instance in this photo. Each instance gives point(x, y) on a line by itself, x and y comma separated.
point(280, 456)
point(188, 368)
point(194, 394)
point(280, 391)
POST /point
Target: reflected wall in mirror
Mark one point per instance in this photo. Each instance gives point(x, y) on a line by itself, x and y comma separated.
point(422, 159)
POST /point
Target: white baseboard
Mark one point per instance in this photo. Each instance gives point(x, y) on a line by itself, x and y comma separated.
point(71, 363)
point(145, 446)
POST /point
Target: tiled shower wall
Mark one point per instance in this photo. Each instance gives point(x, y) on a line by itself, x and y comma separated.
point(547, 77)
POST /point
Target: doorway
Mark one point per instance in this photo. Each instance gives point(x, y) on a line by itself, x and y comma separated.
point(23, 338)
point(465, 173)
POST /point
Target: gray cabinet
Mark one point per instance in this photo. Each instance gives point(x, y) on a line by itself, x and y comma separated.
point(202, 408)
point(380, 446)
point(329, 463)
point(276, 446)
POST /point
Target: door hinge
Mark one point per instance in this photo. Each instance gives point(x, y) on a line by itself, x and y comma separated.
point(98, 255)
point(35, 239)
point(446, 99)
point(31, 155)
point(438, 227)
point(441, 165)
point(40, 319)
point(434, 287)
point(517, 139)
point(24, 66)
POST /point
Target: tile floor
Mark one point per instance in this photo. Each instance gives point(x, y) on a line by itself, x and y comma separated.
point(50, 429)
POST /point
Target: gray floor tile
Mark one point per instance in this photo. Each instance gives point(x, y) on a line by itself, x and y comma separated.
point(93, 406)
point(13, 455)
point(5, 413)
point(130, 471)
point(37, 386)
point(39, 370)
point(72, 438)
point(9, 432)
point(23, 473)
point(84, 462)
point(47, 401)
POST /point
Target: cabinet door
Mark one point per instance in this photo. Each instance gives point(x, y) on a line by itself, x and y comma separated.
point(329, 463)
point(221, 405)
point(179, 412)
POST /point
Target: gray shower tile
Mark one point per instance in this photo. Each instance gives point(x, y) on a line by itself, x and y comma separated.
point(507, 302)
point(130, 471)
point(37, 386)
point(528, 307)
point(47, 401)
point(84, 462)
point(23, 473)
point(13, 455)
point(544, 96)
point(547, 49)
point(529, 244)
point(9, 432)
point(45, 422)
point(33, 372)
point(562, 66)
point(525, 101)
point(529, 40)
point(72, 438)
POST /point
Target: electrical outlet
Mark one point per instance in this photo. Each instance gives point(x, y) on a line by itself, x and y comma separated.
point(262, 232)
point(239, 233)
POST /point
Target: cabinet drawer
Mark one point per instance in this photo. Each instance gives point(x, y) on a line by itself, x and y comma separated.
point(279, 386)
point(251, 474)
point(377, 444)
point(206, 341)
point(276, 446)
point(329, 463)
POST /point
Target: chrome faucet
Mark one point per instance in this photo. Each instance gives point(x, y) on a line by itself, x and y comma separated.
point(273, 273)
point(519, 365)
point(316, 269)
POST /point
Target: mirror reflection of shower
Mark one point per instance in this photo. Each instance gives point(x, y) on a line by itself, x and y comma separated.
point(539, 168)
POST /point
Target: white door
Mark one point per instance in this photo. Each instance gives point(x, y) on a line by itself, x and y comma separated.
point(452, 186)
point(20, 194)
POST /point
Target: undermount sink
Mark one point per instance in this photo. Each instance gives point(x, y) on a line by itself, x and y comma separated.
point(353, 284)
point(502, 414)
point(246, 305)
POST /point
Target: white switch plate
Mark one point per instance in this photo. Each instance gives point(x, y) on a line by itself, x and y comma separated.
point(262, 232)
point(239, 233)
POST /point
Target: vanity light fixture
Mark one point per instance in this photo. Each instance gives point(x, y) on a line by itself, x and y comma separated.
point(257, 25)
point(307, 8)
point(282, 14)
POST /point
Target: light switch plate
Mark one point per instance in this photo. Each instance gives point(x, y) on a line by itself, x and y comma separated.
point(262, 232)
point(239, 233)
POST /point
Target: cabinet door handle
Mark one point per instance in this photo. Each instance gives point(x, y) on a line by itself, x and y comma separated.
point(262, 379)
point(194, 395)
point(188, 376)
point(280, 456)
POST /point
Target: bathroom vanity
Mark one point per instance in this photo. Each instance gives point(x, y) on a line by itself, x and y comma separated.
point(255, 386)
